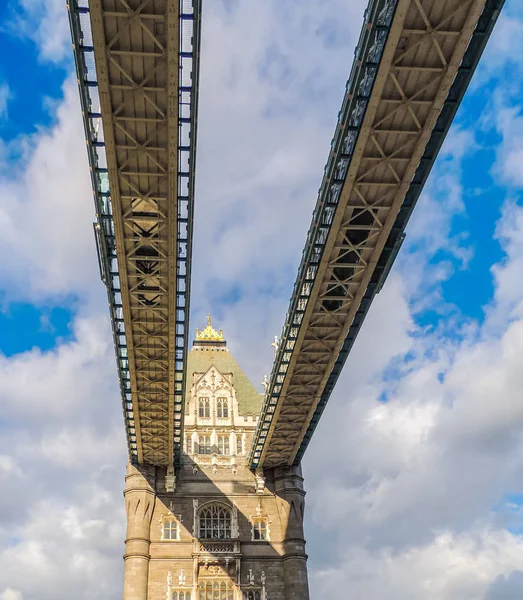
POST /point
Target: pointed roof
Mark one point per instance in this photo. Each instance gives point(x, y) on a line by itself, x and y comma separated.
point(210, 349)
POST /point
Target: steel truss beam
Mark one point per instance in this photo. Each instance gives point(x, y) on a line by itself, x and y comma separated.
point(137, 64)
point(413, 63)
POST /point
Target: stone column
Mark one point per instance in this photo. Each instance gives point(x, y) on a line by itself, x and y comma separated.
point(289, 487)
point(139, 504)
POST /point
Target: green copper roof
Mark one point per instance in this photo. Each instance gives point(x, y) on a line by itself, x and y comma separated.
point(201, 359)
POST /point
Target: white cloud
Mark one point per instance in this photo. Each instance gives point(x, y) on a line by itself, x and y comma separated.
point(503, 51)
point(507, 275)
point(5, 96)
point(10, 594)
point(442, 452)
point(272, 79)
point(63, 436)
point(8, 468)
point(67, 551)
point(506, 587)
point(407, 499)
point(430, 230)
point(46, 23)
point(451, 567)
point(58, 378)
point(509, 122)
point(46, 212)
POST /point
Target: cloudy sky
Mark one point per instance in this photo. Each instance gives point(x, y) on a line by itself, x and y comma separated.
point(415, 474)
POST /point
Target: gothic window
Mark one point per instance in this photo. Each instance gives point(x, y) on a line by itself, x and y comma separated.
point(170, 529)
point(181, 595)
point(215, 522)
point(252, 595)
point(239, 447)
point(205, 444)
point(260, 529)
point(222, 408)
point(204, 408)
point(216, 589)
point(223, 444)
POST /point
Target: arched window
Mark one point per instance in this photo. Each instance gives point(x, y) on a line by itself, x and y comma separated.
point(215, 523)
point(204, 408)
point(204, 446)
point(223, 444)
point(239, 445)
point(252, 595)
point(170, 529)
point(222, 408)
point(181, 595)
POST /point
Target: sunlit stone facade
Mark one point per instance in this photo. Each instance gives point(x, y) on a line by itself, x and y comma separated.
point(224, 533)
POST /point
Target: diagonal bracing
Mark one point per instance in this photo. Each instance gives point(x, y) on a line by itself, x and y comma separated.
point(137, 64)
point(413, 63)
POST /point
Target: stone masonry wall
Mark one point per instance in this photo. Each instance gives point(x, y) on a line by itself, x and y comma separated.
point(155, 569)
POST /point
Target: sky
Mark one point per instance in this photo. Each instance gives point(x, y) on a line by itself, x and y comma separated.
point(415, 473)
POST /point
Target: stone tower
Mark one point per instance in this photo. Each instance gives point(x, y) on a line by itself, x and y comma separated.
point(224, 533)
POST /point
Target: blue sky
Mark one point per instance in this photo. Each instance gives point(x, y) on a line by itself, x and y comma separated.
point(415, 472)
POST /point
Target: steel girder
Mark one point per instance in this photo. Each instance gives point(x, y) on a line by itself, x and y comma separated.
point(413, 62)
point(137, 63)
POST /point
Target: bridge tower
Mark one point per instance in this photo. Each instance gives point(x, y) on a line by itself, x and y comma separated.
point(224, 532)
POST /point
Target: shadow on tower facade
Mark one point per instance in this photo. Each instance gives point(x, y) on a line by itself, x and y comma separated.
point(224, 533)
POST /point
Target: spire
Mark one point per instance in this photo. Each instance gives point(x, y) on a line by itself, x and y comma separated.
point(209, 335)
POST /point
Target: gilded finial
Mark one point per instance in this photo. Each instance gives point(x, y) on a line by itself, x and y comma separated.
point(209, 334)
